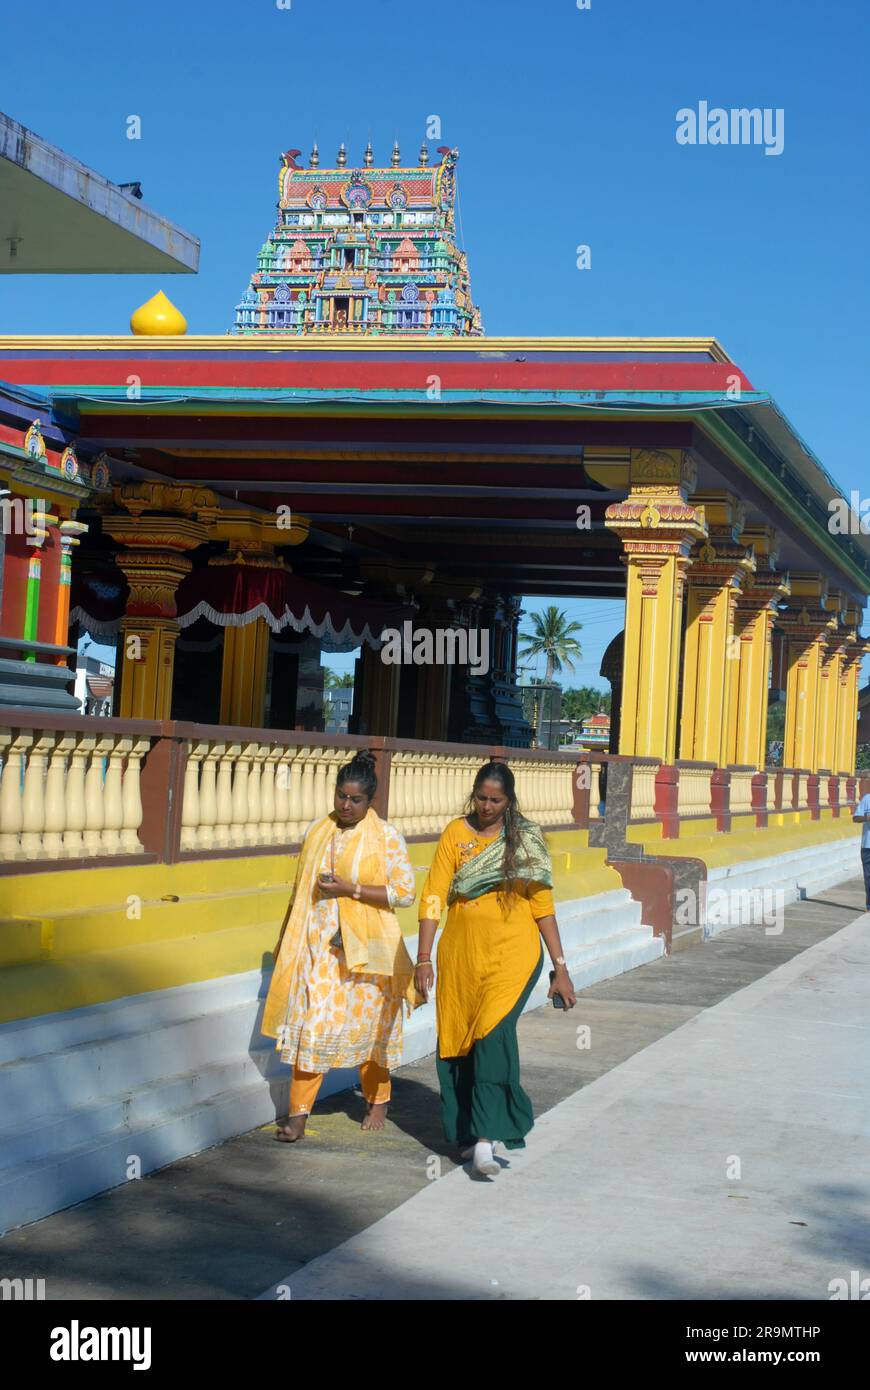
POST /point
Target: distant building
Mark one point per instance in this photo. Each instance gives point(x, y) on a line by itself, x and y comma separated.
point(337, 708)
point(595, 730)
point(95, 686)
point(362, 250)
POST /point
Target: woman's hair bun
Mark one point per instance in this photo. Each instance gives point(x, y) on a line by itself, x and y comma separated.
point(362, 769)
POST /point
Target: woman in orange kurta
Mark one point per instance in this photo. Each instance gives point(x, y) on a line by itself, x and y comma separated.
point(492, 872)
point(342, 972)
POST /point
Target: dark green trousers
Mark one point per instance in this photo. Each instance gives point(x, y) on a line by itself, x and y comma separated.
point(481, 1092)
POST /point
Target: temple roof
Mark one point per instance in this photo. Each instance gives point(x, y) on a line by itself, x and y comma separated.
point(362, 250)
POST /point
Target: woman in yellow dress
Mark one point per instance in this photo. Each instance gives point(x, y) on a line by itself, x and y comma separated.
point(492, 872)
point(342, 969)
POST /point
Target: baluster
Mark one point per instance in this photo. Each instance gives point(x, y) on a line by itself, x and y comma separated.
point(412, 773)
point(113, 811)
point(268, 828)
point(282, 796)
point(224, 791)
point(424, 798)
point(190, 807)
point(205, 835)
point(55, 797)
point(33, 798)
point(240, 825)
point(440, 797)
point(10, 797)
point(73, 840)
point(131, 798)
point(306, 790)
point(320, 794)
point(295, 823)
point(255, 799)
point(93, 832)
point(458, 790)
point(396, 807)
point(331, 760)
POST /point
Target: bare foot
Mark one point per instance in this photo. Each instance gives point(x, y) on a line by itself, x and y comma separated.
point(375, 1116)
point(293, 1131)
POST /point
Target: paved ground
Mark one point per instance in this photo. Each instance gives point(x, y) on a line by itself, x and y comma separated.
point(751, 1048)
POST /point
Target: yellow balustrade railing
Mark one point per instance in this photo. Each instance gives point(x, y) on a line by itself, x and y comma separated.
point(693, 791)
point(740, 801)
point(428, 789)
point(239, 795)
point(643, 791)
point(69, 795)
point(594, 790)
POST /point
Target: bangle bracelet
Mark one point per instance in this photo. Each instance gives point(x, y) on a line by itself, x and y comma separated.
point(424, 960)
point(357, 890)
point(559, 960)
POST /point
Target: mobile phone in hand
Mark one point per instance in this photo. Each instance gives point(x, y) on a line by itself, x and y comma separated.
point(558, 1001)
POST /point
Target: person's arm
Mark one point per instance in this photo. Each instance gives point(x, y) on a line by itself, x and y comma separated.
point(373, 894)
point(399, 889)
point(544, 913)
point(433, 900)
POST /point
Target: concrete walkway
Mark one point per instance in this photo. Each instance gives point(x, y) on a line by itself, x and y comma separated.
point(750, 1049)
point(728, 1160)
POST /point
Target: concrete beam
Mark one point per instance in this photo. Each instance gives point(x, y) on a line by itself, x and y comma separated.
point(59, 217)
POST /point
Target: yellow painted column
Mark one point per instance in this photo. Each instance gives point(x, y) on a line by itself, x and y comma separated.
point(433, 699)
point(657, 526)
point(70, 531)
point(847, 723)
point(243, 674)
point(147, 667)
point(747, 726)
point(757, 607)
point(720, 567)
point(830, 662)
point(154, 564)
point(806, 633)
point(380, 702)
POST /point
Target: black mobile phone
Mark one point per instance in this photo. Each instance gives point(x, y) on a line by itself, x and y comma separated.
point(558, 1001)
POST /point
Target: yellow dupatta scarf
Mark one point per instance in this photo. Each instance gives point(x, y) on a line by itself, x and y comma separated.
point(371, 936)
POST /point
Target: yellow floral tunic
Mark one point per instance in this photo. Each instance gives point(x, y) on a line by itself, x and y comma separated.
point(335, 1018)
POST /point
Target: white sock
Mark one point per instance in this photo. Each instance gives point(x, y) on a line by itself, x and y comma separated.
point(484, 1159)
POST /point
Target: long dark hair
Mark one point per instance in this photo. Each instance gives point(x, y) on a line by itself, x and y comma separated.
point(495, 771)
point(361, 768)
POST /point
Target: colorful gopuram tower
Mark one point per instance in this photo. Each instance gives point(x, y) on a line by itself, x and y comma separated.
point(367, 250)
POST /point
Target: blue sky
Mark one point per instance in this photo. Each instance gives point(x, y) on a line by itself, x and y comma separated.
point(565, 120)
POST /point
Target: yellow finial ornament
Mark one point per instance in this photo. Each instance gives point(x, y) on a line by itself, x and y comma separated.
point(158, 316)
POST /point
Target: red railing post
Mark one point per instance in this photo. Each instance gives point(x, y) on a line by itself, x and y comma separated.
point(720, 797)
point(666, 803)
point(813, 796)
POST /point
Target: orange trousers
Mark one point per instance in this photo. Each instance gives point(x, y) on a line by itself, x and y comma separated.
point(375, 1081)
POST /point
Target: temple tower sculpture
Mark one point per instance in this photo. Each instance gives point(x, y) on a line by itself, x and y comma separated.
point(366, 250)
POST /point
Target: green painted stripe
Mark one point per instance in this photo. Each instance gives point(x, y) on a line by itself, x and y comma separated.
point(759, 472)
point(31, 611)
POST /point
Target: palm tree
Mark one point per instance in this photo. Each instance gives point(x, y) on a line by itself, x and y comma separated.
point(576, 704)
point(552, 638)
point(333, 681)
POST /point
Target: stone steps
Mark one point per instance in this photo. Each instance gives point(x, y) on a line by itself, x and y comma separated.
point(779, 880)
